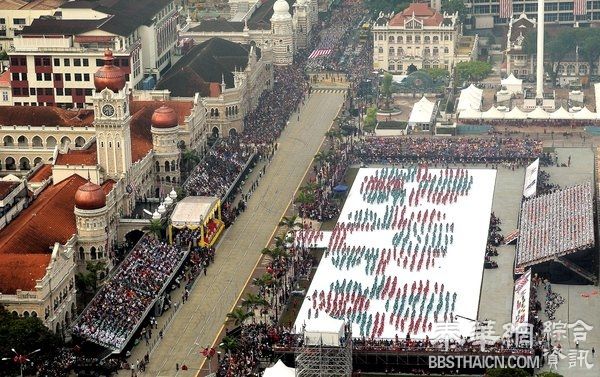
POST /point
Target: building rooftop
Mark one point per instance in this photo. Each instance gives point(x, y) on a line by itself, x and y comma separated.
point(45, 116)
point(41, 174)
point(218, 25)
point(54, 26)
point(6, 187)
point(126, 15)
point(31, 5)
point(261, 18)
point(85, 157)
point(209, 62)
point(422, 12)
point(26, 243)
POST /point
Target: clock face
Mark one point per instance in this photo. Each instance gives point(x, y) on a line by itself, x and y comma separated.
point(108, 110)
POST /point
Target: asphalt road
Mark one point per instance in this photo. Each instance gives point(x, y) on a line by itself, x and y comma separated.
point(196, 324)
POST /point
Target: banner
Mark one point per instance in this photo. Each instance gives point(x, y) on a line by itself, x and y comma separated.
point(531, 176)
point(520, 310)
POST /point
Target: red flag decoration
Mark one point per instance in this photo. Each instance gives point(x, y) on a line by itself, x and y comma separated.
point(506, 8)
point(579, 7)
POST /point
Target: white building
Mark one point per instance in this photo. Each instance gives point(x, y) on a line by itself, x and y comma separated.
point(282, 29)
point(53, 60)
point(16, 14)
point(419, 36)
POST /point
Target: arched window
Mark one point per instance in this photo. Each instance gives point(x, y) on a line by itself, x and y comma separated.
point(22, 142)
point(217, 113)
point(212, 112)
point(173, 165)
point(36, 141)
point(167, 166)
point(50, 142)
point(24, 163)
point(427, 39)
point(65, 141)
point(435, 51)
point(381, 37)
point(583, 70)
point(427, 51)
point(168, 179)
point(400, 39)
point(26, 314)
point(34, 314)
point(79, 141)
point(9, 141)
point(391, 39)
point(436, 39)
point(10, 164)
point(81, 253)
point(157, 166)
point(391, 51)
point(446, 50)
point(570, 69)
point(38, 160)
point(93, 253)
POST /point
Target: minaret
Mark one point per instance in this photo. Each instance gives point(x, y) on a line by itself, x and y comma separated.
point(539, 82)
point(91, 220)
point(283, 34)
point(165, 130)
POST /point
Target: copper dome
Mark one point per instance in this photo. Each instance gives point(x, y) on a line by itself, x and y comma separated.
point(164, 117)
point(90, 196)
point(109, 76)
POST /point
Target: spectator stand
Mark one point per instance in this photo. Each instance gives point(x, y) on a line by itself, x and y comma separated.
point(556, 235)
point(201, 213)
point(138, 285)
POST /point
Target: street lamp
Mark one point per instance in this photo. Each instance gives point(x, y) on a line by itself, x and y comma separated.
point(20, 359)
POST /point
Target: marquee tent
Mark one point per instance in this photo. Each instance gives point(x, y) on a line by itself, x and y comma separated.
point(515, 114)
point(493, 113)
point(538, 113)
point(584, 114)
point(279, 370)
point(469, 114)
point(561, 113)
point(470, 98)
point(512, 84)
point(193, 211)
point(422, 112)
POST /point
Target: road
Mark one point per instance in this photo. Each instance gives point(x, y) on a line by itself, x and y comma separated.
point(197, 323)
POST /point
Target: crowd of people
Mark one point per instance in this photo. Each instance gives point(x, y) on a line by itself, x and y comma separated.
point(389, 150)
point(220, 168)
point(556, 223)
point(544, 186)
point(117, 309)
point(494, 240)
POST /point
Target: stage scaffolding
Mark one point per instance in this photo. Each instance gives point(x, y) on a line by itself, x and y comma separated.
point(325, 361)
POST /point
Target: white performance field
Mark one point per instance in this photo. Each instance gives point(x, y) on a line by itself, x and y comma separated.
point(395, 263)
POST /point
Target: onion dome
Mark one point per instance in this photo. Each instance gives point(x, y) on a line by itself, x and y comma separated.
point(164, 117)
point(281, 6)
point(90, 196)
point(109, 76)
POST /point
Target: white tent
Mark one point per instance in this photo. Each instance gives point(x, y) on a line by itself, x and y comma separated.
point(470, 98)
point(512, 84)
point(538, 113)
point(279, 370)
point(584, 114)
point(561, 113)
point(422, 112)
point(515, 114)
point(469, 114)
point(493, 113)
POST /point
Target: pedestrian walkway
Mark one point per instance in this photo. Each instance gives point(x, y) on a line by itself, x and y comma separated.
point(197, 323)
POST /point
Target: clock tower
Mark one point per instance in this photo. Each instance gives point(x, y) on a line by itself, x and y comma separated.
point(111, 119)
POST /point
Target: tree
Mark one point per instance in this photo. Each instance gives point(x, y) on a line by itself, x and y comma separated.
point(506, 372)
point(304, 198)
point(189, 159)
point(155, 228)
point(290, 223)
point(473, 71)
point(370, 119)
point(87, 282)
point(438, 74)
point(589, 46)
point(386, 6)
point(25, 335)
point(263, 282)
point(253, 302)
point(454, 6)
point(239, 316)
point(386, 88)
point(228, 344)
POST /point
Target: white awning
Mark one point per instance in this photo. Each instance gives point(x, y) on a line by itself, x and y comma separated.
point(512, 84)
point(561, 113)
point(192, 211)
point(584, 114)
point(469, 114)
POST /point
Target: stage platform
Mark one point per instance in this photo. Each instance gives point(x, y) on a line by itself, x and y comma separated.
point(407, 252)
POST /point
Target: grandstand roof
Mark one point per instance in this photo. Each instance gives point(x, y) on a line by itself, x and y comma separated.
point(555, 225)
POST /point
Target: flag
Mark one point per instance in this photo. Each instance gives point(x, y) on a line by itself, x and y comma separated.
point(579, 7)
point(506, 8)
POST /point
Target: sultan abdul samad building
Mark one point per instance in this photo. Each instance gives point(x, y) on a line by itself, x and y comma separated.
point(78, 201)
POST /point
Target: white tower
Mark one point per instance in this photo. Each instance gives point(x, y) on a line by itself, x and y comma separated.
point(111, 119)
point(283, 34)
point(91, 220)
point(301, 21)
point(539, 82)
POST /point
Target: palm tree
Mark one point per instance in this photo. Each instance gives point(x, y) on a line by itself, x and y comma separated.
point(87, 282)
point(263, 282)
point(305, 198)
point(228, 344)
point(309, 187)
point(279, 241)
point(253, 301)
point(155, 228)
point(189, 157)
point(290, 223)
point(239, 316)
